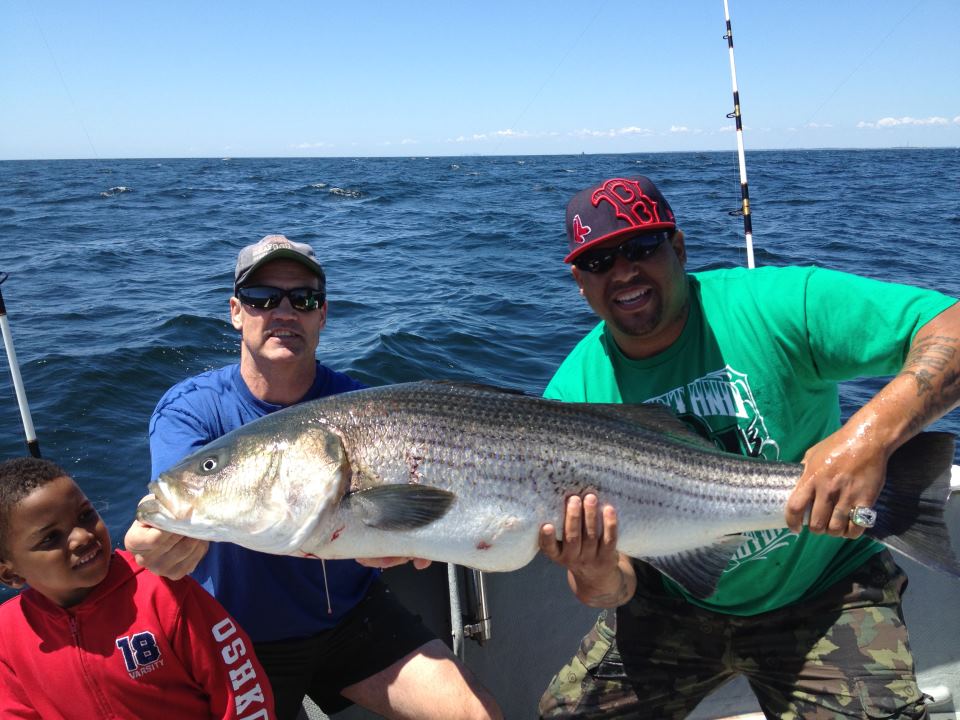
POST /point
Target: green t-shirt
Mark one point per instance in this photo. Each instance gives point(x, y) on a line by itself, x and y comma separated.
point(756, 369)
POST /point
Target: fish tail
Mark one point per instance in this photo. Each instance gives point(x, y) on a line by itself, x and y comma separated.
point(910, 509)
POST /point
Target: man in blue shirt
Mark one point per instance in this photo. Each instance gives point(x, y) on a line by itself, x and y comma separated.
point(327, 629)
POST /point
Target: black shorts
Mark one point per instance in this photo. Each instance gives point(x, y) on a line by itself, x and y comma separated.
point(370, 638)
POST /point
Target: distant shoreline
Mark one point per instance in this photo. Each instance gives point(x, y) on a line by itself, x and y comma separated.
point(481, 155)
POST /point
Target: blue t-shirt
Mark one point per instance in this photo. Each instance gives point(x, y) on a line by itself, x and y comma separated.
point(274, 597)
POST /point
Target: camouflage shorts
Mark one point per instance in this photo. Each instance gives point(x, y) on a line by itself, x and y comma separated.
point(844, 654)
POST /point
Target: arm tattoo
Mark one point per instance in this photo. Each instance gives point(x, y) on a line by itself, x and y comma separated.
point(932, 361)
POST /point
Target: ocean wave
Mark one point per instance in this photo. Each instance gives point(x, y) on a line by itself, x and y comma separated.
point(453, 354)
point(325, 188)
point(345, 192)
point(404, 356)
point(110, 192)
point(185, 334)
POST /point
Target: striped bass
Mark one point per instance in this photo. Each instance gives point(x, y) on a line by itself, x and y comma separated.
point(467, 474)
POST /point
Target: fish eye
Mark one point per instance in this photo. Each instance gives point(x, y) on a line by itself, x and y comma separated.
point(209, 464)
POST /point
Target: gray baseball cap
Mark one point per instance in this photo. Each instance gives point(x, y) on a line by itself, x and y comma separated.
point(275, 247)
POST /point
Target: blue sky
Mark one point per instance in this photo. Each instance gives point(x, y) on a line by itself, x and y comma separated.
point(387, 77)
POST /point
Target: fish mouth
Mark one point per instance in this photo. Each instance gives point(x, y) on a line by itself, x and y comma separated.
point(160, 503)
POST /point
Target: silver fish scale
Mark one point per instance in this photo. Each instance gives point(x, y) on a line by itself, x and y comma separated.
point(478, 442)
point(498, 465)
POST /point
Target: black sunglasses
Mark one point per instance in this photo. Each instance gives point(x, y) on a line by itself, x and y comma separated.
point(265, 297)
point(639, 247)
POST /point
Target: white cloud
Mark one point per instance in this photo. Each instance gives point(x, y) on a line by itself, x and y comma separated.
point(507, 133)
point(679, 129)
point(889, 122)
point(818, 126)
point(584, 132)
point(408, 141)
point(611, 133)
point(308, 146)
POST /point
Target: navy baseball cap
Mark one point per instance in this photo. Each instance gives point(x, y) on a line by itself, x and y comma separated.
point(275, 247)
point(616, 208)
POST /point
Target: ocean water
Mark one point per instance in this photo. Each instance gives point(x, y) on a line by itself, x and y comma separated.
point(120, 270)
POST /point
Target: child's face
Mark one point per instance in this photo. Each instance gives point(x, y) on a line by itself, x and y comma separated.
point(56, 543)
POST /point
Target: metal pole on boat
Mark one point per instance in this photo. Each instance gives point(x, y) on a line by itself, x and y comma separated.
point(735, 115)
point(481, 627)
point(32, 444)
point(456, 614)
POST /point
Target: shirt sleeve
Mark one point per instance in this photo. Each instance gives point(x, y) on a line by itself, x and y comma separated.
point(14, 702)
point(860, 327)
point(174, 433)
point(220, 657)
point(554, 389)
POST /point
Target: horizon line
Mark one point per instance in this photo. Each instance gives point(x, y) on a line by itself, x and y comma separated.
point(475, 155)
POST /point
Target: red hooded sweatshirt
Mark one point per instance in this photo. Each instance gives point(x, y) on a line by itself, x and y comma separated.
point(139, 646)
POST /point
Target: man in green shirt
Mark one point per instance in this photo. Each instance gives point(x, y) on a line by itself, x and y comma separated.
point(751, 359)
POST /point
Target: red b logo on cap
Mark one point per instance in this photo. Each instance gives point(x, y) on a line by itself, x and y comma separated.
point(630, 204)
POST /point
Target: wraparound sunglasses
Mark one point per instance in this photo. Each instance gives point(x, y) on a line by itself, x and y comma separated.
point(265, 297)
point(639, 247)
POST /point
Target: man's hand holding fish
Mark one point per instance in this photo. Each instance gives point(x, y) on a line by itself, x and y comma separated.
point(598, 574)
point(166, 554)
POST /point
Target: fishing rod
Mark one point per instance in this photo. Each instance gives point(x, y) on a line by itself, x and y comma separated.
point(735, 115)
point(745, 193)
point(32, 444)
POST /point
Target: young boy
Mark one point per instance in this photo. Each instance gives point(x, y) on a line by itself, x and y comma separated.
point(97, 636)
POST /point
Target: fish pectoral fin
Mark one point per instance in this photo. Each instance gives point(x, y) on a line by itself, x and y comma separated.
point(699, 570)
point(399, 507)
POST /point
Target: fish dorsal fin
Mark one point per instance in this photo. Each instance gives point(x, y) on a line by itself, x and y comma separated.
point(655, 417)
point(399, 507)
point(699, 570)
